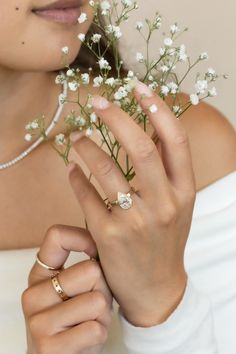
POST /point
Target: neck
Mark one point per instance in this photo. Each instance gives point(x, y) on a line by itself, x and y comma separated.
point(23, 97)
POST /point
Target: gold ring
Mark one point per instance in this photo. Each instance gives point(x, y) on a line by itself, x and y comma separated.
point(58, 288)
point(124, 200)
point(44, 265)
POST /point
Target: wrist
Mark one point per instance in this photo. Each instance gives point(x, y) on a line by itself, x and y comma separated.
point(152, 313)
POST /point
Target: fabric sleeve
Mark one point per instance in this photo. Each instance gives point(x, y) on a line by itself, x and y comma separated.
point(189, 329)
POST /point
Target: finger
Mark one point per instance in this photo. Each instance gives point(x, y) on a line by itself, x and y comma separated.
point(80, 338)
point(175, 145)
point(84, 307)
point(150, 172)
point(103, 168)
point(58, 242)
point(88, 197)
point(78, 279)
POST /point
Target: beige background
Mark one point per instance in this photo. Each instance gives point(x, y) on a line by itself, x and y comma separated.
point(211, 29)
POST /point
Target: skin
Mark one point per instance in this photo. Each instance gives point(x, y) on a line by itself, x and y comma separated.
point(166, 197)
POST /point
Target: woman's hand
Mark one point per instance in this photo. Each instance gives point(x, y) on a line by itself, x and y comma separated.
point(141, 249)
point(80, 324)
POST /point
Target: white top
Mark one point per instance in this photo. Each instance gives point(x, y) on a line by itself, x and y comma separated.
point(205, 320)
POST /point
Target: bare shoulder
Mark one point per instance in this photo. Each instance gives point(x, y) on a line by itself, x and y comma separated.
point(212, 143)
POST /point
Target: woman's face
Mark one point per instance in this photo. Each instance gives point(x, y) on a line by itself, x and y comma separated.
point(32, 41)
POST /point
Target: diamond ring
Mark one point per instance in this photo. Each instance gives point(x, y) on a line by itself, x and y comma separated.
point(124, 200)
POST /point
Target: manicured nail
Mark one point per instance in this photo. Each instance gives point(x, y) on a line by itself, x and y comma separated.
point(143, 89)
point(100, 102)
point(70, 166)
point(75, 136)
point(153, 108)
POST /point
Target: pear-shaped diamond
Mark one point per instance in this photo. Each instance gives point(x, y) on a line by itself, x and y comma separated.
point(124, 200)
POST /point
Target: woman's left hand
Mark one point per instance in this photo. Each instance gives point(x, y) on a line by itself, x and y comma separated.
point(141, 249)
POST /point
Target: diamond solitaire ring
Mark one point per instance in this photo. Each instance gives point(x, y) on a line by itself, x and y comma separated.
point(124, 200)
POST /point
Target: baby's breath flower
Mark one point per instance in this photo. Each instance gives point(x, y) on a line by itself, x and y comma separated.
point(139, 57)
point(70, 73)
point(61, 98)
point(162, 51)
point(73, 86)
point(130, 74)
point(83, 17)
point(157, 22)
point(103, 63)
point(34, 125)
point(203, 56)
point(164, 68)
point(80, 121)
point(91, 3)
point(96, 37)
point(127, 3)
point(110, 81)
point(165, 90)
point(89, 131)
point(182, 53)
point(115, 30)
point(153, 108)
point(168, 42)
point(60, 79)
point(174, 29)
point(201, 86)
point(28, 137)
point(85, 78)
point(212, 92)
point(173, 87)
point(81, 37)
point(60, 139)
point(105, 7)
point(139, 25)
point(121, 93)
point(153, 86)
point(194, 99)
point(65, 50)
point(97, 81)
point(93, 117)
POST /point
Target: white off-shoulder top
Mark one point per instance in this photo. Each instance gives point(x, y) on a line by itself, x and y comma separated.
point(205, 320)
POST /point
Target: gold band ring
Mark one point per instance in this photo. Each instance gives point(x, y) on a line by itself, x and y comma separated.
point(44, 265)
point(58, 288)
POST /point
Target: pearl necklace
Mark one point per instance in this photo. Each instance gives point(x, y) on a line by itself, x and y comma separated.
point(39, 140)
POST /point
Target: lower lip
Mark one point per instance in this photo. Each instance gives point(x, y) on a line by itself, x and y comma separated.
point(67, 16)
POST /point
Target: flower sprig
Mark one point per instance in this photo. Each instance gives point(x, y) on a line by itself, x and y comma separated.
point(160, 75)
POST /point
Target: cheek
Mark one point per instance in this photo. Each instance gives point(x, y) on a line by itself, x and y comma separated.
point(33, 43)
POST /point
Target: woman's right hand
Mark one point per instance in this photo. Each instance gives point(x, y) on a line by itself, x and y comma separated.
point(80, 324)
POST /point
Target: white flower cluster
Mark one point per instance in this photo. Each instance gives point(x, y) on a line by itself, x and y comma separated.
point(161, 76)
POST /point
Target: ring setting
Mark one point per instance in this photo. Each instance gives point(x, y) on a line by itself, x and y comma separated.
point(124, 200)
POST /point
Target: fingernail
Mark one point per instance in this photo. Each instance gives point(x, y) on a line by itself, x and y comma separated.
point(71, 166)
point(75, 136)
point(100, 102)
point(143, 89)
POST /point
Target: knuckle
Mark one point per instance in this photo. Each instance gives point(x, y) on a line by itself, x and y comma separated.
point(54, 233)
point(181, 138)
point(25, 300)
point(93, 269)
point(98, 300)
point(168, 215)
point(98, 332)
point(34, 325)
point(145, 149)
point(104, 166)
point(84, 193)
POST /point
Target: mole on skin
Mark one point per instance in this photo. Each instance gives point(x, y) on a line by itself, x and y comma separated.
point(17, 8)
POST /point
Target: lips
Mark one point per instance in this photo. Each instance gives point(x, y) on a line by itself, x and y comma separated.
point(62, 11)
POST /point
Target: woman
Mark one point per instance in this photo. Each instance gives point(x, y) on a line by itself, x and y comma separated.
point(166, 306)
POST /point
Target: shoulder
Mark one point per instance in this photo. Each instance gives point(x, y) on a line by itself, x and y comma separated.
point(212, 142)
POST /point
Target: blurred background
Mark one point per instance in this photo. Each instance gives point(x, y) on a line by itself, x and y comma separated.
point(211, 29)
